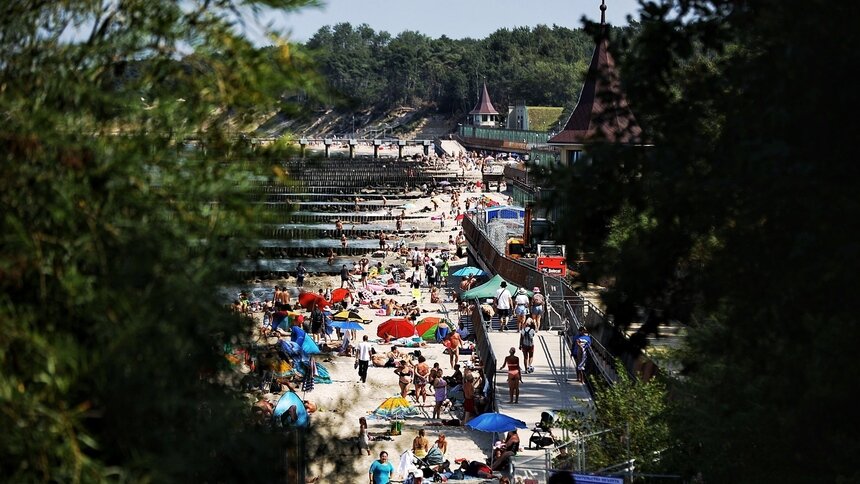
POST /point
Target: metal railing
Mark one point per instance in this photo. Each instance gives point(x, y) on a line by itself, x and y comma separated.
point(570, 305)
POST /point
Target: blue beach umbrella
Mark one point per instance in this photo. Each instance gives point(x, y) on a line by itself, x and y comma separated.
point(495, 422)
point(469, 271)
point(347, 325)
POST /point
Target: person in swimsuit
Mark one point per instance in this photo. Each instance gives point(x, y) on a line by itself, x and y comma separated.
point(422, 370)
point(514, 375)
point(440, 385)
point(405, 372)
point(420, 445)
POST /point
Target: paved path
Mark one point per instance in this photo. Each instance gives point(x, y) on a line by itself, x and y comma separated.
point(552, 386)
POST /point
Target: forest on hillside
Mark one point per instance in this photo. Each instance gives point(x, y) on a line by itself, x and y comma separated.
point(541, 66)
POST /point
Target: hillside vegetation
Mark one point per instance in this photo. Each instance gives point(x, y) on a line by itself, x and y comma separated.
point(374, 76)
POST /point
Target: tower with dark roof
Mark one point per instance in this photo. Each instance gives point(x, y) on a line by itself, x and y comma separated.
point(484, 113)
point(602, 113)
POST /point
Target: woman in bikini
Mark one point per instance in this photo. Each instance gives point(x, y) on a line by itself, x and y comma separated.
point(406, 373)
point(420, 445)
point(514, 375)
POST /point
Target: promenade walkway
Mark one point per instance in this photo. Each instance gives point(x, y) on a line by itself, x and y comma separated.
point(552, 386)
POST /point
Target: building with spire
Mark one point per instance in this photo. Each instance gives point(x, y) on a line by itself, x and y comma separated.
point(484, 113)
point(602, 114)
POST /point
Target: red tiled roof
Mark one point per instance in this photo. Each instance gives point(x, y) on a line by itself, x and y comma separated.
point(484, 106)
point(602, 113)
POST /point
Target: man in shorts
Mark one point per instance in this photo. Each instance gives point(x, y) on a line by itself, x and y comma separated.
point(538, 303)
point(503, 305)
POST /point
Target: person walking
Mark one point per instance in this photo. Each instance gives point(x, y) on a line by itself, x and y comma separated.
point(515, 377)
point(538, 304)
point(503, 305)
point(300, 274)
point(362, 358)
point(527, 344)
point(454, 342)
point(317, 323)
point(521, 310)
point(344, 276)
point(363, 436)
point(443, 274)
point(381, 470)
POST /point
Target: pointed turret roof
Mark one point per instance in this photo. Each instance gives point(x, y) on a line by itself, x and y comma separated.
point(602, 112)
point(484, 106)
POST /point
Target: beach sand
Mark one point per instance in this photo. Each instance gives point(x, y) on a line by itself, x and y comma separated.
point(342, 402)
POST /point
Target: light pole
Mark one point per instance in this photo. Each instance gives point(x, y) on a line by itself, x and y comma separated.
point(353, 126)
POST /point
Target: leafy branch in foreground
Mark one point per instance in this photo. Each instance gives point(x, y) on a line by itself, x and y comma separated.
point(116, 237)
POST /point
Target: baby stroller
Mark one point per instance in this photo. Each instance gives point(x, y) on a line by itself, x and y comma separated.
point(429, 462)
point(542, 432)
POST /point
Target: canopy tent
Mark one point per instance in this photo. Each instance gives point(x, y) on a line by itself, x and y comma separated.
point(489, 288)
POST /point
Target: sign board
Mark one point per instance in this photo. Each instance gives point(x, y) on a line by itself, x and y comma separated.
point(589, 479)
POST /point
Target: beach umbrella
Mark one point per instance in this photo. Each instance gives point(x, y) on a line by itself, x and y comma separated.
point(395, 407)
point(469, 271)
point(340, 294)
point(427, 327)
point(459, 217)
point(347, 325)
point(307, 300)
point(396, 328)
point(495, 422)
point(350, 315)
point(444, 183)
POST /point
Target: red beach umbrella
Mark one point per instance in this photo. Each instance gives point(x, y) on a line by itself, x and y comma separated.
point(307, 300)
point(396, 328)
point(459, 217)
point(339, 294)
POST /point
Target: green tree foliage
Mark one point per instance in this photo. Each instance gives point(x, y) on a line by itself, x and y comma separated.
point(738, 222)
point(628, 423)
point(541, 66)
point(115, 239)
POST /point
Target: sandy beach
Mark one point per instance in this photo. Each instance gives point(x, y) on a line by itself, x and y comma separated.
point(343, 401)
